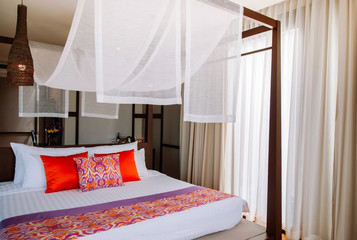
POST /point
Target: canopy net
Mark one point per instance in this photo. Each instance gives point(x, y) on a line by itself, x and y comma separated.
point(43, 101)
point(136, 51)
point(212, 62)
point(91, 108)
point(40, 100)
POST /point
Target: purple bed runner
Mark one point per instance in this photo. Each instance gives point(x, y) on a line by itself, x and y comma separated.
point(76, 222)
point(92, 208)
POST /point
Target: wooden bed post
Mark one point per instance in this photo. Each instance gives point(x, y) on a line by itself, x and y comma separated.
point(150, 137)
point(274, 169)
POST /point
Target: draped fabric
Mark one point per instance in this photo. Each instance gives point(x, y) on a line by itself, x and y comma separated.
point(138, 49)
point(345, 158)
point(131, 52)
point(38, 100)
point(308, 124)
point(91, 108)
point(43, 101)
point(201, 153)
point(246, 150)
point(318, 122)
point(212, 62)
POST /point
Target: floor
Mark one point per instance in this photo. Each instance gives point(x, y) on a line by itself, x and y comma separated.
point(242, 231)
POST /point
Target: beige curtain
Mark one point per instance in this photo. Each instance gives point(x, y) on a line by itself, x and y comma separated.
point(201, 152)
point(345, 162)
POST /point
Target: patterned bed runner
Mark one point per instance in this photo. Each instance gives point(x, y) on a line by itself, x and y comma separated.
point(79, 222)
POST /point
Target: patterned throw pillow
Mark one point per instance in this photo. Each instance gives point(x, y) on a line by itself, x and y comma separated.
point(128, 169)
point(99, 172)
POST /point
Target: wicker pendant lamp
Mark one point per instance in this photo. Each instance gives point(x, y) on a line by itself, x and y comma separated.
point(20, 63)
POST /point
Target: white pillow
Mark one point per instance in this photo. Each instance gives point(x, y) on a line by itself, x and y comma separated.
point(35, 175)
point(19, 164)
point(112, 148)
point(20, 149)
point(140, 163)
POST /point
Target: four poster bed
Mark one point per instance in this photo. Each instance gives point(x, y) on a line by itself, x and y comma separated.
point(154, 203)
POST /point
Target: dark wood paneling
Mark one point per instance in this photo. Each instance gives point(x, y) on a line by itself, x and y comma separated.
point(77, 118)
point(150, 137)
point(7, 164)
point(144, 115)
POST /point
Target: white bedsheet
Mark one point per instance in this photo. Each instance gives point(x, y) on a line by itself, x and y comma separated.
point(189, 224)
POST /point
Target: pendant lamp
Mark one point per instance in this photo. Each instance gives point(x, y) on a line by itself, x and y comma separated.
point(20, 63)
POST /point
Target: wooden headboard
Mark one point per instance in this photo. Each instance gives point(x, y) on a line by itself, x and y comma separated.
point(7, 159)
point(7, 164)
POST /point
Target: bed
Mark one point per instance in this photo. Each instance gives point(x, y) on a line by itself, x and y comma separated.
point(7, 164)
point(156, 207)
point(188, 224)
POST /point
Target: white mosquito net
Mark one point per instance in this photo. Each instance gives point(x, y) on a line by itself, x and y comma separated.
point(131, 52)
point(91, 108)
point(212, 62)
point(39, 100)
point(43, 101)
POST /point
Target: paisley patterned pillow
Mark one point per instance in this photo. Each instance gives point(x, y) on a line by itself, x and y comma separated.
point(99, 172)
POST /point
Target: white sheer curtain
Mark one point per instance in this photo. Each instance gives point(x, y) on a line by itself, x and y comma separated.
point(245, 171)
point(314, 34)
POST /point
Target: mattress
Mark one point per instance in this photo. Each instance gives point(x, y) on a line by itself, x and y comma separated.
point(193, 222)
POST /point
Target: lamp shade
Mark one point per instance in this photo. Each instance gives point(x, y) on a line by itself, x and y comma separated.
point(20, 63)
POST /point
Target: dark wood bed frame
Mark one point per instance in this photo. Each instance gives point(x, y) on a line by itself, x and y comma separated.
point(7, 157)
point(273, 230)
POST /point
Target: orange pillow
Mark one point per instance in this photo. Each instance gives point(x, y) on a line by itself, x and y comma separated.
point(61, 172)
point(127, 165)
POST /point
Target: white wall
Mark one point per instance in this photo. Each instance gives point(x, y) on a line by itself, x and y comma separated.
point(97, 130)
point(100, 130)
point(10, 120)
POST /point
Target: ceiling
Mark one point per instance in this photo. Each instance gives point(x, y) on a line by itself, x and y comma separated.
point(256, 4)
point(49, 21)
